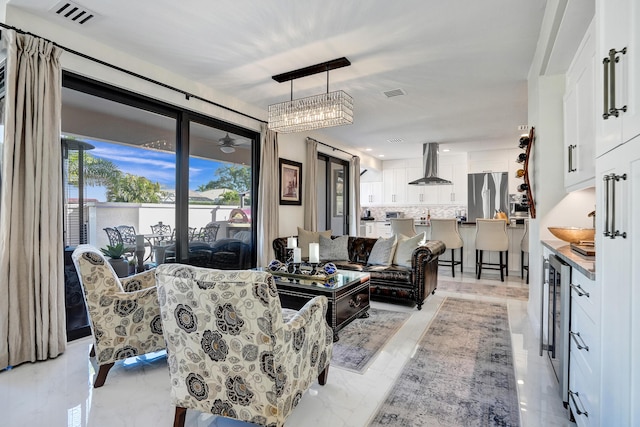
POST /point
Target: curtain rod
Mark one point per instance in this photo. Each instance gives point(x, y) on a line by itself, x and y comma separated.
point(131, 73)
point(332, 147)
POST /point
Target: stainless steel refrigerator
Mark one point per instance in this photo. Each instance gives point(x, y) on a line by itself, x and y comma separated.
point(488, 192)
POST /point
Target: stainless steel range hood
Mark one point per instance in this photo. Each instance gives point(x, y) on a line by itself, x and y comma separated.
point(430, 166)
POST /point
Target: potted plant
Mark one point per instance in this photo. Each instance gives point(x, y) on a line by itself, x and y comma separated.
point(116, 259)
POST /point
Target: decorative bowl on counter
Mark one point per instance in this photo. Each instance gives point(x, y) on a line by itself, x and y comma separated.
point(573, 234)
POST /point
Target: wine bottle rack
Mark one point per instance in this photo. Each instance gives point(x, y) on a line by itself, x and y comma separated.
point(527, 182)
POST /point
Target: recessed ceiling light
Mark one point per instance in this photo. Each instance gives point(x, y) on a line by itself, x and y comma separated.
point(380, 155)
point(368, 149)
point(445, 150)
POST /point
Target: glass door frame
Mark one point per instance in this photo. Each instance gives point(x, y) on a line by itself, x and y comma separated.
point(183, 117)
point(329, 206)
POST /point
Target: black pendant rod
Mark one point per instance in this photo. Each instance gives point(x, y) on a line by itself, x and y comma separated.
point(133, 74)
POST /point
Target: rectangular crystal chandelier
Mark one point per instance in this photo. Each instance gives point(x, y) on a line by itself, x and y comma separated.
point(313, 112)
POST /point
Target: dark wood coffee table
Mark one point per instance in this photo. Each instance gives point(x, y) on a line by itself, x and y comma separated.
point(348, 296)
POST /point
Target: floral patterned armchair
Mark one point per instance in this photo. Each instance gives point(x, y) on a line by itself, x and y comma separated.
point(232, 351)
point(124, 313)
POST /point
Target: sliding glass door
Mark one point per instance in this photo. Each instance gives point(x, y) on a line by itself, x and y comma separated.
point(172, 183)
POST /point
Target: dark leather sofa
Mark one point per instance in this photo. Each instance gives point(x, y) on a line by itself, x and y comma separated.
point(392, 282)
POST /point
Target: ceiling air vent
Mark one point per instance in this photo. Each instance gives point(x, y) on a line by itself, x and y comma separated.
point(394, 92)
point(395, 140)
point(73, 12)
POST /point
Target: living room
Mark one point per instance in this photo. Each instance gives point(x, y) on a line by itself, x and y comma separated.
point(351, 398)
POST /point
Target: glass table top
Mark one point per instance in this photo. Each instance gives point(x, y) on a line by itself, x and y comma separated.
point(341, 279)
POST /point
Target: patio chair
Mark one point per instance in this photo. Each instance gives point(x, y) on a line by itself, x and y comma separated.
point(124, 313)
point(233, 351)
point(209, 233)
point(115, 238)
point(163, 231)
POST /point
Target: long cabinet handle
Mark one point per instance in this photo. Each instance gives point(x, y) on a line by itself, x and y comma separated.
point(614, 179)
point(579, 411)
point(605, 63)
point(607, 208)
point(581, 292)
point(613, 59)
point(571, 148)
point(582, 345)
point(610, 182)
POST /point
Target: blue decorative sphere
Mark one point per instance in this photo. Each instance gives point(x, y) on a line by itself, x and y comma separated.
point(275, 265)
point(329, 268)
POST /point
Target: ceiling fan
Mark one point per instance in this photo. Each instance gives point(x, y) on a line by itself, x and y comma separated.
point(227, 144)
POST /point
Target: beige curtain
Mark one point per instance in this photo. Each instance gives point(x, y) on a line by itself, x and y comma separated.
point(32, 320)
point(268, 195)
point(310, 194)
point(354, 206)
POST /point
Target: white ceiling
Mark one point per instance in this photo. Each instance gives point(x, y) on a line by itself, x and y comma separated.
point(462, 63)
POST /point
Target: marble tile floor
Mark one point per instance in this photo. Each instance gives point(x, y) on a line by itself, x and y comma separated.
point(59, 392)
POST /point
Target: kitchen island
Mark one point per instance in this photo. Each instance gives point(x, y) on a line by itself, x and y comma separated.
point(381, 228)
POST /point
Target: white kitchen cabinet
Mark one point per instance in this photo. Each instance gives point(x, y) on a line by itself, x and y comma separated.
point(394, 185)
point(617, 266)
point(617, 28)
point(420, 194)
point(370, 193)
point(579, 113)
point(369, 228)
point(584, 350)
point(455, 194)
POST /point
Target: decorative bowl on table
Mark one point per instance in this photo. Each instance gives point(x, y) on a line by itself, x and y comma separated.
point(573, 234)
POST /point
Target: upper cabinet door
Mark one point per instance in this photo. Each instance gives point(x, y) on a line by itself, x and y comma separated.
point(579, 113)
point(618, 76)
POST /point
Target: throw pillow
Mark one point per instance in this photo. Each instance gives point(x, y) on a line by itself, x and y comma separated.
point(305, 237)
point(382, 251)
point(406, 246)
point(334, 249)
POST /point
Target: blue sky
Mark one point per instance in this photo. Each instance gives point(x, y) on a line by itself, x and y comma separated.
point(156, 166)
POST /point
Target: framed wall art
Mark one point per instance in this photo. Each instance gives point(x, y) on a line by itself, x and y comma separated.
point(290, 182)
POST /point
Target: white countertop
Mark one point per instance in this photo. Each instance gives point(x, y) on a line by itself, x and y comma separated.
point(585, 264)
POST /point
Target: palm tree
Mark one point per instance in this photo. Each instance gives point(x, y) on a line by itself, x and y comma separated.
point(97, 171)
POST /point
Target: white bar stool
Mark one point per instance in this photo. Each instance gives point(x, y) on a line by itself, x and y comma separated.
point(491, 235)
point(446, 230)
point(404, 226)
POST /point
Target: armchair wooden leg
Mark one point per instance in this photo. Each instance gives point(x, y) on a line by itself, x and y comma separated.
point(501, 268)
point(322, 378)
point(180, 416)
point(102, 375)
point(92, 353)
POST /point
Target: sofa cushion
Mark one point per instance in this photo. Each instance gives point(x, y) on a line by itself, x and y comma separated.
point(406, 246)
point(334, 249)
point(305, 237)
point(382, 252)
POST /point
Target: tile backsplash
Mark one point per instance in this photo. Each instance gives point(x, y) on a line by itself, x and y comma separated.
point(416, 211)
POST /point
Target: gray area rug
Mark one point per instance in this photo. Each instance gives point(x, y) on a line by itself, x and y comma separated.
point(500, 291)
point(462, 373)
point(361, 340)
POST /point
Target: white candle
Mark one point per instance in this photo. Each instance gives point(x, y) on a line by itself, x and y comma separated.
point(292, 242)
point(297, 255)
point(314, 253)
